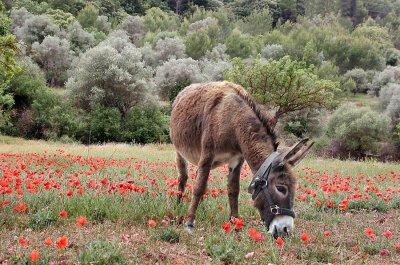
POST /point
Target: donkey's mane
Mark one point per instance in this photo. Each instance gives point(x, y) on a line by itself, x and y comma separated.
point(260, 115)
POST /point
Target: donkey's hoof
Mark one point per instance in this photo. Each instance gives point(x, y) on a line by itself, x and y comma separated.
point(189, 227)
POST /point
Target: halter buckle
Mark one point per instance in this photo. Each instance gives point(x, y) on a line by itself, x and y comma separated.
point(275, 210)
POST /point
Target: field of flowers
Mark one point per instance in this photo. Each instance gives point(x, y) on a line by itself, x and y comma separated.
point(116, 204)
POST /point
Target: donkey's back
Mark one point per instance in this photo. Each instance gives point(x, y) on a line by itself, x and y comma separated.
point(203, 118)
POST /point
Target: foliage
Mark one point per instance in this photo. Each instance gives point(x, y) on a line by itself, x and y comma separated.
point(111, 74)
point(284, 85)
point(102, 253)
point(272, 51)
point(197, 44)
point(238, 45)
point(168, 48)
point(359, 76)
point(158, 20)
point(357, 131)
point(54, 57)
point(79, 39)
point(36, 29)
point(134, 27)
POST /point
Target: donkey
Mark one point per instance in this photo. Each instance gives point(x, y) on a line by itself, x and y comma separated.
point(219, 123)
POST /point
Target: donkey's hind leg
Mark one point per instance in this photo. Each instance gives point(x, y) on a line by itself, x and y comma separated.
point(233, 185)
point(183, 175)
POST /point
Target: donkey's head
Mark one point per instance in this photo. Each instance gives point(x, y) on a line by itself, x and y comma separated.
point(273, 188)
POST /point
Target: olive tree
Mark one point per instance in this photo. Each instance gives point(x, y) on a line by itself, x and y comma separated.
point(111, 75)
point(35, 29)
point(284, 85)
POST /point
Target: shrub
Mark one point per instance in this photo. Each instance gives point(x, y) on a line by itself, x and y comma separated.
point(111, 74)
point(389, 75)
point(87, 17)
point(393, 108)
point(158, 20)
point(146, 124)
point(134, 27)
point(357, 131)
point(359, 76)
point(197, 44)
point(175, 74)
point(169, 48)
point(105, 124)
point(238, 45)
point(272, 51)
point(387, 93)
point(102, 24)
point(79, 39)
point(60, 18)
point(18, 17)
point(36, 29)
point(259, 22)
point(54, 57)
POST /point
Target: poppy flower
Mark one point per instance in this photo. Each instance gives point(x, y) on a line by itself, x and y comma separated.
point(23, 241)
point(305, 237)
point(239, 223)
point(81, 221)
point(48, 242)
point(255, 235)
point(151, 223)
point(35, 255)
point(387, 234)
point(369, 232)
point(396, 247)
point(227, 227)
point(20, 208)
point(327, 233)
point(279, 241)
point(64, 214)
point(62, 242)
point(384, 252)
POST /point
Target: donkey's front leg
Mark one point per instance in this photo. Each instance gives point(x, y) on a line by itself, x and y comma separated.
point(233, 185)
point(199, 189)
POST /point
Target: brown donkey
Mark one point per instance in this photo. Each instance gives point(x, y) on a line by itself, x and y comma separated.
point(218, 123)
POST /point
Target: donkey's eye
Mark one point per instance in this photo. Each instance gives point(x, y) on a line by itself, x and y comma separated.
point(281, 189)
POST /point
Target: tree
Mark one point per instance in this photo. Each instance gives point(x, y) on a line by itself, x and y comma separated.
point(87, 17)
point(55, 57)
point(134, 26)
point(36, 28)
point(111, 75)
point(284, 85)
point(79, 39)
point(238, 45)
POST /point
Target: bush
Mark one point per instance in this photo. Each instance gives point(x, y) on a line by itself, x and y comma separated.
point(134, 27)
point(87, 17)
point(238, 45)
point(272, 51)
point(259, 22)
point(197, 44)
point(175, 74)
point(79, 39)
point(18, 17)
point(54, 57)
point(357, 131)
point(158, 20)
point(169, 48)
point(36, 29)
point(359, 76)
point(389, 75)
point(105, 124)
point(112, 75)
point(146, 124)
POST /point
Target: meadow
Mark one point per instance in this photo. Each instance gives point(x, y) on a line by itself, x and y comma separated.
point(116, 204)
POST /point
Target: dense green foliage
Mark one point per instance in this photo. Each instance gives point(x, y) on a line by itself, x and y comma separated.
point(115, 63)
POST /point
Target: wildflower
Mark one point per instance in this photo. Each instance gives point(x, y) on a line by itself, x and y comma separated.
point(384, 252)
point(81, 221)
point(387, 234)
point(62, 242)
point(20, 208)
point(279, 241)
point(48, 242)
point(23, 241)
point(396, 247)
point(64, 214)
point(227, 227)
point(255, 235)
point(369, 232)
point(327, 233)
point(35, 255)
point(239, 223)
point(305, 237)
point(151, 223)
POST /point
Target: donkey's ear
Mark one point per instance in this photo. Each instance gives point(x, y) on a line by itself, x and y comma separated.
point(294, 149)
point(300, 154)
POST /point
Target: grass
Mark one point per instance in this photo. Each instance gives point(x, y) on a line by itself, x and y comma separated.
point(119, 188)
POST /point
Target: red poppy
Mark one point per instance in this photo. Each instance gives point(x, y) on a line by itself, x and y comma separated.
point(227, 227)
point(48, 242)
point(279, 241)
point(327, 233)
point(21, 207)
point(387, 234)
point(23, 241)
point(255, 235)
point(35, 255)
point(369, 232)
point(305, 237)
point(239, 223)
point(396, 247)
point(384, 252)
point(151, 223)
point(62, 242)
point(64, 214)
point(81, 221)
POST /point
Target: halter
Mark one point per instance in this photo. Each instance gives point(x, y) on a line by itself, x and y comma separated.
point(260, 184)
